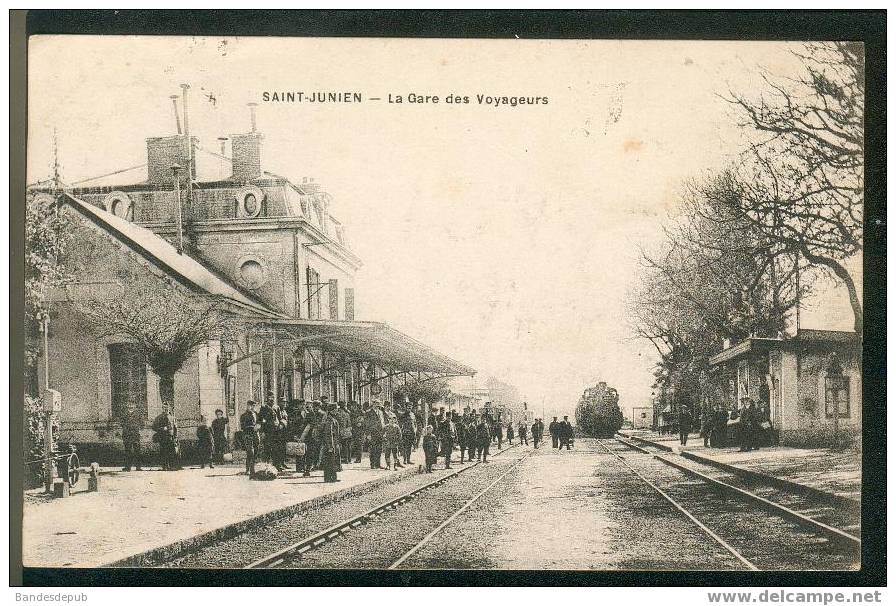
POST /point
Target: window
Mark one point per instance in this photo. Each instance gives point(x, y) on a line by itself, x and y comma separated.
point(314, 288)
point(836, 396)
point(127, 371)
point(252, 274)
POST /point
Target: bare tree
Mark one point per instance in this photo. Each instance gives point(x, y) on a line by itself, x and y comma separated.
point(802, 180)
point(165, 322)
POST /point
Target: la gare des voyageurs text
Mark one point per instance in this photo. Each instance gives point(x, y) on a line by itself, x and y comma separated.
point(410, 98)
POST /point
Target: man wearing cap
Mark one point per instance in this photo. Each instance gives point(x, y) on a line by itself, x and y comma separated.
point(329, 444)
point(447, 438)
point(407, 421)
point(554, 429)
point(376, 422)
point(483, 439)
point(565, 433)
point(249, 428)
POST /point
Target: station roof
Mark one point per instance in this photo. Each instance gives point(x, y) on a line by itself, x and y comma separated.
point(186, 269)
point(803, 335)
point(373, 341)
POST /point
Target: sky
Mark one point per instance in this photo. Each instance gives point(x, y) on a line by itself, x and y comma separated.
point(505, 237)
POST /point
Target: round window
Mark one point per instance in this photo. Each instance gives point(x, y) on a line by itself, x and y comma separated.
point(251, 204)
point(249, 201)
point(252, 274)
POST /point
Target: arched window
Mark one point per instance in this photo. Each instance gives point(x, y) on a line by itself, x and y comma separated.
point(127, 373)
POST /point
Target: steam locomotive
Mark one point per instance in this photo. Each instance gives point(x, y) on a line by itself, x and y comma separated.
point(598, 414)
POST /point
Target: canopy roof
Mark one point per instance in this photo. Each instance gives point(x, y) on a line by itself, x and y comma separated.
point(374, 342)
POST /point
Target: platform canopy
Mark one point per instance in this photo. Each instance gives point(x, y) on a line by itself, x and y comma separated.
point(370, 342)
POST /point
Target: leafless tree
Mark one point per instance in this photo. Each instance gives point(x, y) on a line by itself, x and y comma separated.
point(166, 323)
point(801, 182)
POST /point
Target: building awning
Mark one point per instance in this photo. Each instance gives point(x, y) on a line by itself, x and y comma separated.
point(753, 344)
point(371, 342)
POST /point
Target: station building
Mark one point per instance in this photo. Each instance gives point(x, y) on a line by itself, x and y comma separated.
point(810, 382)
point(270, 248)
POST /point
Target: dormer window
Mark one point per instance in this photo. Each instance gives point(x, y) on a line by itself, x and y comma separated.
point(249, 202)
point(119, 204)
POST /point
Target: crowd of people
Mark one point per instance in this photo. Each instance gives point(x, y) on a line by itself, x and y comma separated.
point(323, 435)
point(748, 427)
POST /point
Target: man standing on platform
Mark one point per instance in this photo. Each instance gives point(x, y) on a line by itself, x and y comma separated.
point(565, 433)
point(684, 424)
point(165, 427)
point(376, 422)
point(329, 444)
point(345, 432)
point(554, 429)
point(220, 435)
point(447, 438)
point(130, 435)
point(249, 428)
point(357, 420)
point(408, 423)
point(483, 439)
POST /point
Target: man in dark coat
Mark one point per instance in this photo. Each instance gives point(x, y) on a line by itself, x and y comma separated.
point(706, 421)
point(463, 438)
point(749, 424)
point(345, 432)
point(408, 424)
point(329, 445)
point(165, 427)
point(447, 438)
point(220, 435)
point(249, 429)
point(266, 422)
point(357, 420)
point(483, 439)
point(130, 435)
point(565, 433)
point(205, 444)
point(719, 437)
point(684, 424)
point(554, 429)
point(376, 422)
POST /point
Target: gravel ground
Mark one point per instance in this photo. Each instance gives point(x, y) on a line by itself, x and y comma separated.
point(573, 510)
point(248, 547)
point(380, 543)
point(767, 540)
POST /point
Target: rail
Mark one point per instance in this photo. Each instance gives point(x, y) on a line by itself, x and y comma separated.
point(344, 526)
point(803, 520)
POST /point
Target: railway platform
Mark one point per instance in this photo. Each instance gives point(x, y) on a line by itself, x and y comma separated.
point(138, 515)
point(822, 470)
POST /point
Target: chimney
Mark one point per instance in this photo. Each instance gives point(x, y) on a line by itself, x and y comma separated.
point(245, 152)
point(164, 152)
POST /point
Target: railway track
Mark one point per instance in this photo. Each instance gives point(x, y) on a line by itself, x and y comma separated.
point(293, 554)
point(760, 532)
